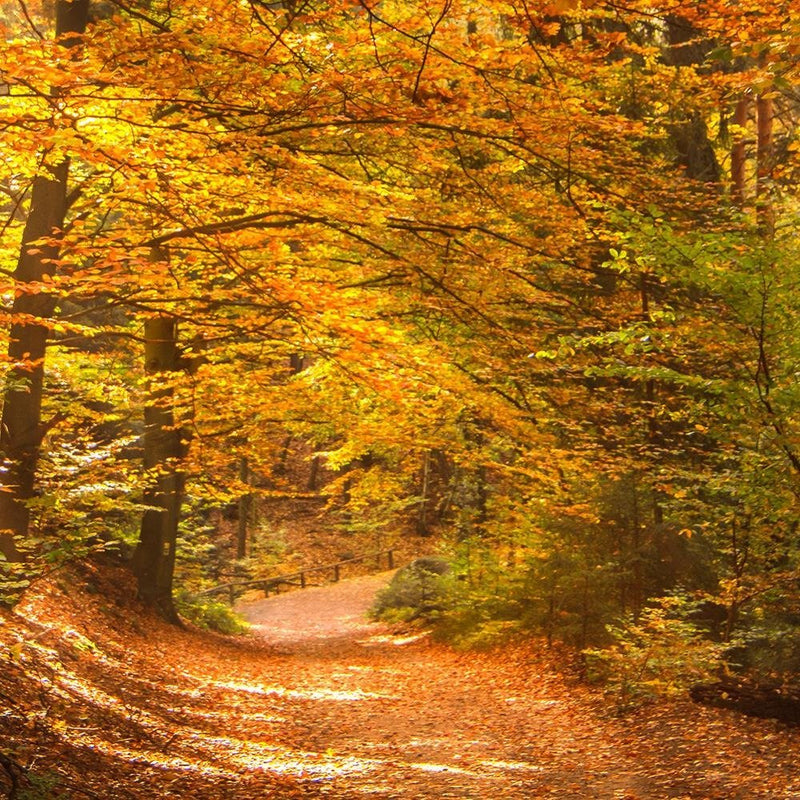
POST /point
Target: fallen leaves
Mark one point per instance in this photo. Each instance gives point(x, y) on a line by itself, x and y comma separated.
point(342, 709)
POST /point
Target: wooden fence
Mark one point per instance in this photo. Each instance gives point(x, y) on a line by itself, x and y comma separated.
point(299, 578)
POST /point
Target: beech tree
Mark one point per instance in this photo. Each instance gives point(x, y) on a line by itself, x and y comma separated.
point(21, 427)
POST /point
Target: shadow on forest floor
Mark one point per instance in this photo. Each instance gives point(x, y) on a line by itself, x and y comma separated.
point(101, 700)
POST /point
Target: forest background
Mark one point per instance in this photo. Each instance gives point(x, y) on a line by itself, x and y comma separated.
point(518, 277)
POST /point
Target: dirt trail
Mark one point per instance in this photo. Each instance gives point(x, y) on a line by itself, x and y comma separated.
point(318, 617)
point(404, 718)
point(393, 716)
point(322, 703)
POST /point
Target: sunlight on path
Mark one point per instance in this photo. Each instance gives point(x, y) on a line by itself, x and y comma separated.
point(318, 614)
point(322, 704)
point(390, 715)
point(373, 712)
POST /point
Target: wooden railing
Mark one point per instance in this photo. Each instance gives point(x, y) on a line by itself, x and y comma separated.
point(299, 578)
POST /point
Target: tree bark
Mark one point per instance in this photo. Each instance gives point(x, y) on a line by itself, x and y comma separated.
point(693, 148)
point(244, 510)
point(422, 509)
point(21, 427)
point(154, 558)
point(313, 475)
point(738, 152)
point(765, 157)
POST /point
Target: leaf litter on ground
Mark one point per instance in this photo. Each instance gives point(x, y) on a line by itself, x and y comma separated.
point(103, 700)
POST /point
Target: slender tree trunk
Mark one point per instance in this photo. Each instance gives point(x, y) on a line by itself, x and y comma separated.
point(637, 587)
point(739, 153)
point(154, 559)
point(244, 510)
point(283, 459)
point(422, 510)
point(584, 614)
point(765, 164)
point(21, 427)
point(551, 615)
point(650, 387)
point(313, 474)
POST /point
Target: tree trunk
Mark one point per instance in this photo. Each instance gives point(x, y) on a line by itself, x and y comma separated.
point(738, 152)
point(244, 510)
point(694, 150)
point(422, 509)
point(313, 474)
point(765, 702)
point(154, 559)
point(765, 157)
point(21, 428)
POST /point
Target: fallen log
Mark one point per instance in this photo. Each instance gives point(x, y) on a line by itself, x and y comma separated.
point(767, 702)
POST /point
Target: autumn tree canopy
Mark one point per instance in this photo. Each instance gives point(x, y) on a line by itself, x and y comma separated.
point(519, 275)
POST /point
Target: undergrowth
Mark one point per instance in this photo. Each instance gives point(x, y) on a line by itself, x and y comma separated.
point(209, 614)
point(661, 654)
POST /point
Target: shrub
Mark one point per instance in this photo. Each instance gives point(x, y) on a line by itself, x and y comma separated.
point(479, 615)
point(417, 591)
point(210, 614)
point(661, 654)
point(41, 786)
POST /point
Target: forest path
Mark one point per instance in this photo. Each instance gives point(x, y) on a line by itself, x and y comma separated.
point(378, 714)
point(400, 717)
point(322, 703)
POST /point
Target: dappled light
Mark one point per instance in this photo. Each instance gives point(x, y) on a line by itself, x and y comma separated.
point(333, 714)
point(308, 694)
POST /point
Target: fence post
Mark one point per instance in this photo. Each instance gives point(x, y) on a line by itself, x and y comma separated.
point(274, 584)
